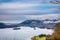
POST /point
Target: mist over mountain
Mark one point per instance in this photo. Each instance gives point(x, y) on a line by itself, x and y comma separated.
point(31, 23)
point(37, 23)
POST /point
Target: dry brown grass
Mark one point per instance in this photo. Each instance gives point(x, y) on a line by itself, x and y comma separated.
point(56, 34)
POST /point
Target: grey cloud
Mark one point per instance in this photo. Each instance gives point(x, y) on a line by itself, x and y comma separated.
point(12, 17)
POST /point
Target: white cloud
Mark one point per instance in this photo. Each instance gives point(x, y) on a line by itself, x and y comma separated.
point(24, 8)
point(21, 11)
point(17, 5)
point(18, 18)
point(29, 11)
point(46, 16)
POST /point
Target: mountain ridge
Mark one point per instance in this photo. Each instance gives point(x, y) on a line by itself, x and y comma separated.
point(29, 23)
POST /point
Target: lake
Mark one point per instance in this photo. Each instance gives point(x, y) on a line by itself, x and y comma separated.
point(25, 33)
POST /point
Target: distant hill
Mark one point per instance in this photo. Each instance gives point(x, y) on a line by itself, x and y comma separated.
point(29, 23)
point(36, 23)
point(3, 25)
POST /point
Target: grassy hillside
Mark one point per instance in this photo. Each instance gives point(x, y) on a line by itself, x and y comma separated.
point(40, 37)
point(56, 33)
point(54, 36)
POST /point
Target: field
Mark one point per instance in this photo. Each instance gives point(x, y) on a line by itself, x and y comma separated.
point(38, 38)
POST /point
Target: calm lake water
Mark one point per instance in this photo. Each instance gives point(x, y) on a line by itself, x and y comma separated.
point(25, 33)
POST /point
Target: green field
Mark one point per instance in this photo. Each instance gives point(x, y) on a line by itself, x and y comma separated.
point(39, 38)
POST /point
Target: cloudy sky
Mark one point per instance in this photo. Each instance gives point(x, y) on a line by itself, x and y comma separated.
point(16, 10)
